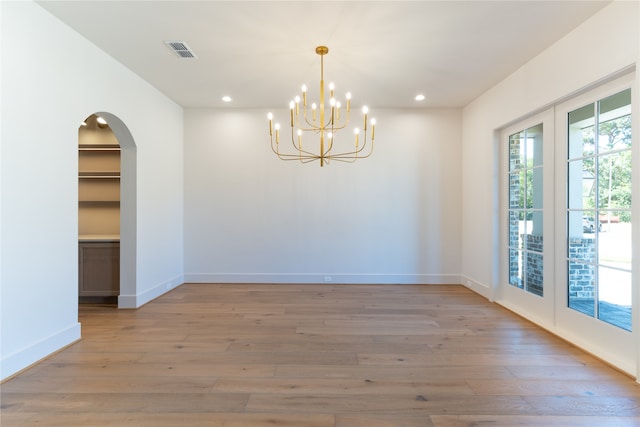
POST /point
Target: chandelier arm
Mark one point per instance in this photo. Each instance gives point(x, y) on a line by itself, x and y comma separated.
point(333, 137)
point(352, 155)
point(336, 125)
point(288, 156)
point(312, 156)
point(346, 120)
point(304, 159)
point(311, 129)
point(306, 119)
point(355, 153)
point(345, 159)
point(309, 159)
point(299, 150)
point(328, 150)
point(295, 156)
point(337, 128)
point(275, 150)
point(364, 144)
point(339, 123)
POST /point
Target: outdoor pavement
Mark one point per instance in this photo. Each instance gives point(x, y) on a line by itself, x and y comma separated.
point(618, 315)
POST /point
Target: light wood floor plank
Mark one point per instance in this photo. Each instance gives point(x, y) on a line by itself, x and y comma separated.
point(339, 386)
point(260, 355)
point(390, 404)
point(101, 419)
point(378, 420)
point(532, 421)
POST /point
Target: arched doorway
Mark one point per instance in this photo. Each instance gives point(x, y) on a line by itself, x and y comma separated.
point(107, 211)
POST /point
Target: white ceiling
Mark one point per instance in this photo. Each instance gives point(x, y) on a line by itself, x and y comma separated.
point(384, 52)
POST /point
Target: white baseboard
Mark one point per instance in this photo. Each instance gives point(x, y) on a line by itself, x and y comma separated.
point(22, 359)
point(597, 350)
point(477, 287)
point(138, 300)
point(324, 278)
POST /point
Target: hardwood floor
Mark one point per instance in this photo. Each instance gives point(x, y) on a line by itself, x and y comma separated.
point(318, 356)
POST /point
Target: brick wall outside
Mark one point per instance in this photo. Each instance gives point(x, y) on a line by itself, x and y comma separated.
point(534, 264)
point(582, 254)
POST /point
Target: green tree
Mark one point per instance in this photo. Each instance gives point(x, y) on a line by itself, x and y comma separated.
point(613, 164)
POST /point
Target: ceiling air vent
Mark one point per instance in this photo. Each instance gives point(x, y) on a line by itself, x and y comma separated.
point(181, 49)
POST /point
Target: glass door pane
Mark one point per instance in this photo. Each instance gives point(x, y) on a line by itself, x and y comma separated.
point(525, 194)
point(599, 210)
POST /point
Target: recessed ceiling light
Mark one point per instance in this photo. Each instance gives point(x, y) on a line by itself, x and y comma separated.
point(101, 122)
point(420, 97)
point(226, 98)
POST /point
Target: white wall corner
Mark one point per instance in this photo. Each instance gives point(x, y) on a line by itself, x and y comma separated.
point(138, 300)
point(478, 287)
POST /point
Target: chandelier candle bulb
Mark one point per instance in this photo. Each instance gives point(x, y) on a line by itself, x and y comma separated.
point(365, 110)
point(323, 119)
point(291, 106)
point(333, 109)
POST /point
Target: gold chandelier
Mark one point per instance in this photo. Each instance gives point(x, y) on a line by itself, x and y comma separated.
point(325, 121)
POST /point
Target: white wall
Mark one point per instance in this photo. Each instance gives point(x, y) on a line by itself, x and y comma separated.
point(603, 45)
point(391, 218)
point(52, 79)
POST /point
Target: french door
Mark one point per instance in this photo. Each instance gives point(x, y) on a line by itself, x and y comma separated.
point(528, 251)
point(567, 212)
point(594, 136)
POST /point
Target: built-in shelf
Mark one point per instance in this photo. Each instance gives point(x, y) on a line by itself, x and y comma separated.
point(98, 175)
point(99, 188)
point(99, 238)
point(96, 147)
point(98, 221)
point(99, 163)
point(105, 204)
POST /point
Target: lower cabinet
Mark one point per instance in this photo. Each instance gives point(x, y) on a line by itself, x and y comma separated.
point(99, 269)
